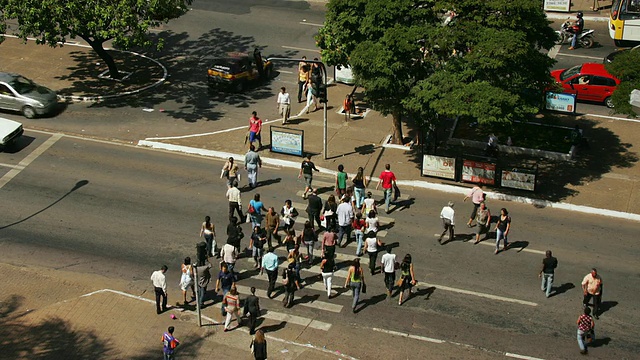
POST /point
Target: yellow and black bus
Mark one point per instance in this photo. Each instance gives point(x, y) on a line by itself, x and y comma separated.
point(624, 22)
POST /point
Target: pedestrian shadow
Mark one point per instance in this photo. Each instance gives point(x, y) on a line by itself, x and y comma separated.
point(371, 302)
point(247, 274)
point(518, 244)
point(272, 328)
point(306, 299)
point(426, 292)
point(312, 280)
point(262, 183)
point(387, 226)
point(297, 121)
point(404, 204)
point(324, 189)
point(600, 342)
point(361, 150)
point(606, 306)
point(339, 291)
point(562, 289)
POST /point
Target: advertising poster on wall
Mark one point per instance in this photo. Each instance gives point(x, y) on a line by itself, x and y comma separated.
point(478, 172)
point(287, 141)
point(518, 179)
point(439, 166)
point(561, 102)
point(557, 5)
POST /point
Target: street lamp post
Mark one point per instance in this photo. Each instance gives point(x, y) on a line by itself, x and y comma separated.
point(324, 105)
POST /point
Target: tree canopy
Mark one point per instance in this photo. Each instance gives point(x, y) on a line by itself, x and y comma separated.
point(626, 67)
point(479, 58)
point(125, 22)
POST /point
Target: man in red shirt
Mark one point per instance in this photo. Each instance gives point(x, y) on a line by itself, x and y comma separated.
point(388, 181)
point(255, 128)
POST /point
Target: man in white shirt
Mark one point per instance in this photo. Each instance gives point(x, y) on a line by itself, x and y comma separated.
point(160, 288)
point(235, 203)
point(228, 254)
point(284, 104)
point(388, 263)
point(345, 218)
point(447, 216)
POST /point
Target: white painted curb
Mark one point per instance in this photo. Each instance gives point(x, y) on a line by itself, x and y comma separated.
point(452, 189)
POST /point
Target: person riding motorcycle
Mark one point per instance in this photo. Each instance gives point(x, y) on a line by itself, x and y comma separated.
point(576, 29)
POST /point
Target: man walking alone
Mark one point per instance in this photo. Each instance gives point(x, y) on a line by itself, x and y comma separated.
point(284, 104)
point(252, 162)
point(447, 215)
point(549, 264)
point(388, 181)
point(270, 264)
point(160, 288)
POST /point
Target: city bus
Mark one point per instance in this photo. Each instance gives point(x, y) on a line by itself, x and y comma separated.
point(624, 22)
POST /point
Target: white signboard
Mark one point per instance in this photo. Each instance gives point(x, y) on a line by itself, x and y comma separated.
point(557, 5)
point(439, 166)
point(518, 180)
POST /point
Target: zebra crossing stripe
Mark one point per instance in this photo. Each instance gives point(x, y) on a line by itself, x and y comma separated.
point(319, 184)
point(320, 305)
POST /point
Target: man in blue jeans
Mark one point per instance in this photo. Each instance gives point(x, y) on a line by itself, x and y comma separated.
point(577, 30)
point(549, 264)
point(388, 181)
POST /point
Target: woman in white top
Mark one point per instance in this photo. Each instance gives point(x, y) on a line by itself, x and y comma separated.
point(369, 204)
point(372, 245)
point(372, 223)
point(186, 280)
point(289, 215)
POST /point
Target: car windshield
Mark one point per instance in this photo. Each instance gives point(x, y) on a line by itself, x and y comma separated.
point(570, 72)
point(22, 85)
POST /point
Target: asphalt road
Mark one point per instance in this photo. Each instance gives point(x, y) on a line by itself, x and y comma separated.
point(120, 211)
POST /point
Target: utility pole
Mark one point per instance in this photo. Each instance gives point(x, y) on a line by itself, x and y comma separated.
point(324, 101)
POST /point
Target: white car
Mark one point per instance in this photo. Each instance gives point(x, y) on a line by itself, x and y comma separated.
point(344, 75)
point(10, 132)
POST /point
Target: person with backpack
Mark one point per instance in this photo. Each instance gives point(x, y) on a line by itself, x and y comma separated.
point(169, 344)
point(291, 283)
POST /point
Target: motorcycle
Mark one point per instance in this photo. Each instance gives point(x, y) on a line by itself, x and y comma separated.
point(585, 38)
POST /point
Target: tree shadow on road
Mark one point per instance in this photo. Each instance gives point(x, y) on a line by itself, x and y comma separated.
point(52, 338)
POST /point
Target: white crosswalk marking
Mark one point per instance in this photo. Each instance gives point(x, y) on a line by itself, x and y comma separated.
point(291, 319)
point(320, 305)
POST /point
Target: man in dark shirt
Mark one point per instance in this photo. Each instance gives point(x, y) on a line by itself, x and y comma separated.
point(252, 308)
point(204, 277)
point(549, 264)
point(306, 169)
point(314, 207)
point(234, 233)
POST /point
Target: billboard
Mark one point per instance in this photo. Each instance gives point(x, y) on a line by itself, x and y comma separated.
point(287, 141)
point(439, 166)
point(561, 102)
point(478, 172)
point(518, 179)
point(557, 5)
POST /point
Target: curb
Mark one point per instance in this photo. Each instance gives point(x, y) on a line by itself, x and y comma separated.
point(564, 16)
point(452, 189)
point(111, 96)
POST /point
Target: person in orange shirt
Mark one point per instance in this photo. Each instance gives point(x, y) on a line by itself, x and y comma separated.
point(346, 107)
point(592, 288)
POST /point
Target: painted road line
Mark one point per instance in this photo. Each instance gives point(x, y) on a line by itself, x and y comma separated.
point(17, 167)
point(518, 356)
point(313, 271)
point(320, 305)
point(580, 56)
point(300, 49)
point(613, 118)
point(315, 286)
point(479, 294)
point(410, 336)
point(383, 220)
point(264, 122)
point(488, 242)
point(310, 24)
point(339, 256)
point(285, 71)
point(554, 51)
point(29, 159)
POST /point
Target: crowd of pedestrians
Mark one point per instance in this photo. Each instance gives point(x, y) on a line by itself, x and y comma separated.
point(349, 214)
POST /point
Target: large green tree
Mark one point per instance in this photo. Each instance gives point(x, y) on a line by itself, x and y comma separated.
point(626, 67)
point(125, 22)
point(416, 57)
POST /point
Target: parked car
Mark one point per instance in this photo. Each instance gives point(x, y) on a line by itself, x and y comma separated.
point(590, 82)
point(18, 93)
point(237, 71)
point(609, 58)
point(10, 132)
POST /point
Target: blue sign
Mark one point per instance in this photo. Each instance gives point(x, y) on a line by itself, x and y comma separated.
point(561, 102)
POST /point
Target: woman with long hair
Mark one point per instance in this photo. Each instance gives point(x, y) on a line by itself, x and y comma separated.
point(372, 222)
point(359, 185)
point(369, 204)
point(355, 280)
point(186, 279)
point(330, 216)
point(407, 277)
point(258, 206)
point(259, 346)
point(208, 231)
point(358, 228)
point(309, 239)
point(502, 229)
